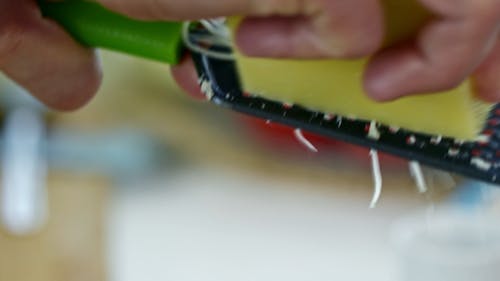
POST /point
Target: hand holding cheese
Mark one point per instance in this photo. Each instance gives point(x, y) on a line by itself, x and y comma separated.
point(461, 38)
point(336, 86)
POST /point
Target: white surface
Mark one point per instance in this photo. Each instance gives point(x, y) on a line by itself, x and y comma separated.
point(449, 245)
point(216, 225)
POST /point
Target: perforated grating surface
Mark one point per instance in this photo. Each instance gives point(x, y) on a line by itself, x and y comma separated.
point(478, 159)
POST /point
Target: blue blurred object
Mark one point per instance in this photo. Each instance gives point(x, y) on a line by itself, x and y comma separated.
point(473, 194)
point(121, 154)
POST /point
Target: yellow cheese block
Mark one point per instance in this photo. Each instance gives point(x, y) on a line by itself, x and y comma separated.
point(335, 86)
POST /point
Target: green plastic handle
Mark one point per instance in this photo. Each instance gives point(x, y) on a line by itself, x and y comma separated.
point(94, 26)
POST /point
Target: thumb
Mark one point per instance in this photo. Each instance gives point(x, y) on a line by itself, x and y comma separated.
point(40, 56)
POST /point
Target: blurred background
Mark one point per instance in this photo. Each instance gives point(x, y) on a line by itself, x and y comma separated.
point(146, 183)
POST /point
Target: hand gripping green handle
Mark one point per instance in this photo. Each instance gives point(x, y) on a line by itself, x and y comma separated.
point(94, 26)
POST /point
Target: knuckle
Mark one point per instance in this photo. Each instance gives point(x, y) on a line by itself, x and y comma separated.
point(355, 38)
point(352, 42)
point(359, 47)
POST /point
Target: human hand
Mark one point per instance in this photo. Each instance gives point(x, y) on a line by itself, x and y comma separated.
point(461, 40)
point(40, 56)
point(264, 34)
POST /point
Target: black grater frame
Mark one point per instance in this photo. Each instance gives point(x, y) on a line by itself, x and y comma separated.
point(478, 159)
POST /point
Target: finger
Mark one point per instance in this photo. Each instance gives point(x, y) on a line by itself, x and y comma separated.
point(181, 10)
point(326, 29)
point(486, 78)
point(320, 29)
point(445, 52)
point(314, 28)
point(196, 9)
point(39, 56)
point(185, 76)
